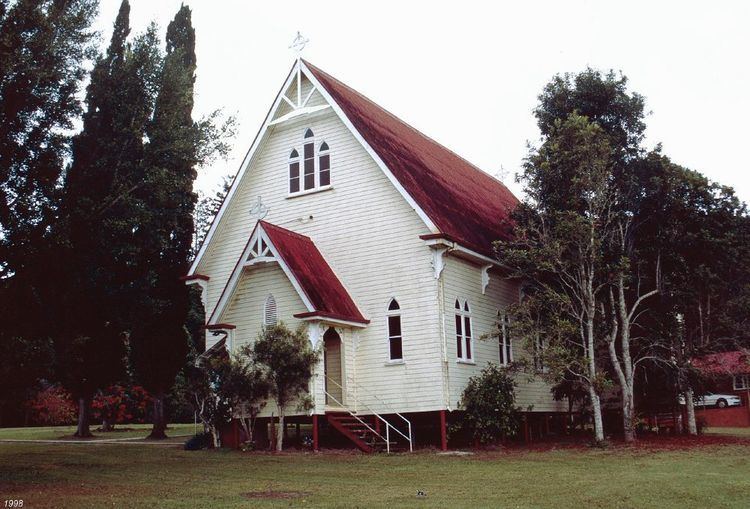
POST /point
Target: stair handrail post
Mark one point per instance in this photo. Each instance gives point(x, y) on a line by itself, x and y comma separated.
point(387, 438)
point(411, 446)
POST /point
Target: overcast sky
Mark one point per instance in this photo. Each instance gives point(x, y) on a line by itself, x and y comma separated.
point(468, 73)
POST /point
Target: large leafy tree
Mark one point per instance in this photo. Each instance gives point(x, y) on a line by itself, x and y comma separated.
point(632, 275)
point(560, 233)
point(44, 49)
point(100, 214)
point(701, 233)
point(165, 232)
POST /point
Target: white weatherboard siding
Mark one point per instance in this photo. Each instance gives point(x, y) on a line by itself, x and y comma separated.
point(462, 280)
point(368, 234)
point(246, 308)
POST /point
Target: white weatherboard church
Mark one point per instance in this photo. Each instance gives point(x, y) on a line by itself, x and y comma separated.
point(379, 240)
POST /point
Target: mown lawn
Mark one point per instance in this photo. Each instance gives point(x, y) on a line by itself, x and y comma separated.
point(738, 432)
point(715, 474)
point(65, 432)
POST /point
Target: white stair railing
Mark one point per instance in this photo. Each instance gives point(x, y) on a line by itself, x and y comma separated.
point(358, 388)
point(388, 426)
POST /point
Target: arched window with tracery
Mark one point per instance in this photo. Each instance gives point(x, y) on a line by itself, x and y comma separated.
point(395, 337)
point(312, 169)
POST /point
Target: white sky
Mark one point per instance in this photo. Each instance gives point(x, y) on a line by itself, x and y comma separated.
point(468, 73)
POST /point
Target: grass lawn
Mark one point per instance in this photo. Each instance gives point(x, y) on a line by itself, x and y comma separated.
point(64, 432)
point(737, 432)
point(715, 474)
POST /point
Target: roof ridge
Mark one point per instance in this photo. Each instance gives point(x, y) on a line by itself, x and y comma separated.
point(285, 230)
point(407, 124)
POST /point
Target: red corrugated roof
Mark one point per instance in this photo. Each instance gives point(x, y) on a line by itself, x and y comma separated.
point(724, 363)
point(325, 292)
point(464, 202)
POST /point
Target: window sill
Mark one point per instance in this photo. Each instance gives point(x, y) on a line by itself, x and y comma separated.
point(309, 191)
point(397, 362)
point(464, 361)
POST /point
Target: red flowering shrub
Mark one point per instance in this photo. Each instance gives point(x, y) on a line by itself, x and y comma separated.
point(121, 404)
point(51, 406)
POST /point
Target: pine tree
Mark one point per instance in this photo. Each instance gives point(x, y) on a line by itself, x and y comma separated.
point(160, 339)
point(100, 215)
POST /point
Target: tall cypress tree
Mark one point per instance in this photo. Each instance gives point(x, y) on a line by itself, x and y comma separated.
point(160, 339)
point(100, 215)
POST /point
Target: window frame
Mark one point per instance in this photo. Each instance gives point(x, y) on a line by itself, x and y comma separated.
point(294, 158)
point(391, 313)
point(745, 382)
point(316, 142)
point(462, 316)
point(539, 346)
point(505, 343)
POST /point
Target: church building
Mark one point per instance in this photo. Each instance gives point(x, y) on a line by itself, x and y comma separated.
point(379, 241)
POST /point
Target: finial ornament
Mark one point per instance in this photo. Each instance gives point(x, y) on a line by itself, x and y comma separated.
point(259, 211)
point(298, 44)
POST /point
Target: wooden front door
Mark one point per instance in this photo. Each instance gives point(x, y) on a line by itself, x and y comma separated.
point(332, 361)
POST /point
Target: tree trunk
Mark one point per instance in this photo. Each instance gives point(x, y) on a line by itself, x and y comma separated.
point(107, 425)
point(596, 408)
point(280, 433)
point(628, 426)
point(84, 411)
point(690, 406)
point(158, 432)
point(215, 435)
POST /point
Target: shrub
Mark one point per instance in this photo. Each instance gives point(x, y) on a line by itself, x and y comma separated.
point(52, 406)
point(489, 406)
point(120, 404)
point(198, 442)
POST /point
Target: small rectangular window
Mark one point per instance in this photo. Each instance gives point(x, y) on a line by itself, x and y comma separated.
point(741, 382)
point(539, 346)
point(395, 340)
point(325, 170)
point(459, 337)
point(467, 334)
point(506, 352)
point(309, 166)
point(294, 177)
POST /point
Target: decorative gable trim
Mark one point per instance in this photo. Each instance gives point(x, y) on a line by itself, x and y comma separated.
point(259, 249)
point(243, 168)
point(295, 73)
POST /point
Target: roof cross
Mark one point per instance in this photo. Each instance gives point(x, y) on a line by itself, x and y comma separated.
point(299, 43)
point(259, 211)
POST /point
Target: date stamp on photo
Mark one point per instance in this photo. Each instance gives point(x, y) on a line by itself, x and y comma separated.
point(13, 502)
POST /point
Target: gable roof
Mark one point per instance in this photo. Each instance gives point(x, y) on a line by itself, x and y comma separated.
point(724, 363)
point(327, 295)
point(466, 204)
point(321, 291)
point(455, 199)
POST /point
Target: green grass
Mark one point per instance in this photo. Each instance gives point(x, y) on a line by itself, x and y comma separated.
point(66, 432)
point(738, 432)
point(142, 475)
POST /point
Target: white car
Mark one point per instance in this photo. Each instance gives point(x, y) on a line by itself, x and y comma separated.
point(717, 400)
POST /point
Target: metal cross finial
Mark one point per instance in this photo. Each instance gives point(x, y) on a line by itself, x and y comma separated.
point(298, 44)
point(259, 211)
